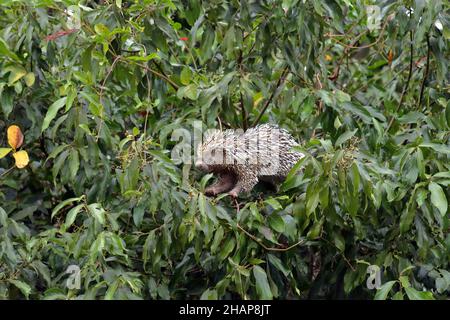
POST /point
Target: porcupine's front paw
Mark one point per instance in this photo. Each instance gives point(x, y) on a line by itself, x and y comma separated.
point(211, 191)
point(234, 193)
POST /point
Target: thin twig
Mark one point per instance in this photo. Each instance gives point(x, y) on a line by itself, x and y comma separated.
point(405, 89)
point(162, 76)
point(244, 113)
point(4, 173)
point(279, 82)
point(341, 253)
point(260, 242)
point(116, 59)
point(336, 71)
point(352, 46)
point(425, 76)
point(241, 98)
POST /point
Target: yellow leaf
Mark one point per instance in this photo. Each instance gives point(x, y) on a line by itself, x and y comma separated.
point(16, 72)
point(21, 158)
point(29, 79)
point(15, 137)
point(257, 98)
point(4, 152)
point(328, 57)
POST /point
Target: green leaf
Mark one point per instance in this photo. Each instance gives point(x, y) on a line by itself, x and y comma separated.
point(274, 203)
point(3, 217)
point(324, 196)
point(407, 218)
point(413, 294)
point(227, 249)
point(398, 296)
point(52, 111)
point(144, 58)
point(43, 270)
point(383, 291)
point(97, 247)
point(22, 286)
point(377, 64)
point(404, 280)
point(267, 233)
point(218, 237)
point(72, 215)
point(262, 284)
point(312, 198)
point(101, 29)
point(189, 91)
point(202, 204)
point(356, 178)
point(442, 148)
point(421, 196)
point(255, 261)
point(315, 230)
point(411, 117)
point(63, 204)
point(442, 175)
point(339, 241)
point(276, 222)
point(185, 76)
point(109, 295)
point(71, 95)
point(5, 51)
point(97, 212)
point(341, 96)
point(278, 264)
point(438, 198)
point(138, 214)
point(74, 163)
point(344, 137)
point(209, 294)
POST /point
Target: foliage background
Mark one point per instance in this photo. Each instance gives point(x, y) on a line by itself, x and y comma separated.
point(98, 87)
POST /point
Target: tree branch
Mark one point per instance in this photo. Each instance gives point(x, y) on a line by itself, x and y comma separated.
point(241, 99)
point(405, 89)
point(244, 113)
point(427, 67)
point(266, 105)
point(259, 241)
point(160, 75)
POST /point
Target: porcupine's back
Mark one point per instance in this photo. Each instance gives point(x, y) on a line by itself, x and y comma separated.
point(274, 154)
point(265, 148)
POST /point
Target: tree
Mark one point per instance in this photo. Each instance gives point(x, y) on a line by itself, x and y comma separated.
point(98, 88)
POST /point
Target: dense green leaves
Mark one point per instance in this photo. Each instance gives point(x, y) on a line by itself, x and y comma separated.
point(105, 92)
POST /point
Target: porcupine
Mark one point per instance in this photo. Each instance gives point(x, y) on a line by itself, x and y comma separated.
point(241, 159)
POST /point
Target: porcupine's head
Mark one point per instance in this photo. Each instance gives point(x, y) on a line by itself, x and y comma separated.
point(211, 152)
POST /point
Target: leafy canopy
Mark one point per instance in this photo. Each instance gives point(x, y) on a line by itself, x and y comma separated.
point(98, 87)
